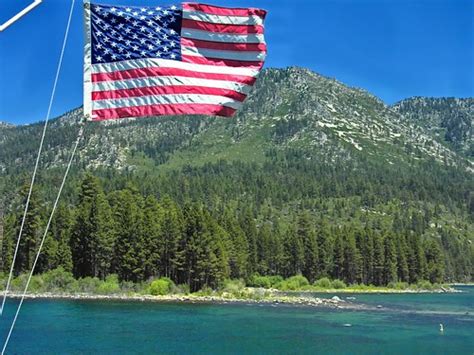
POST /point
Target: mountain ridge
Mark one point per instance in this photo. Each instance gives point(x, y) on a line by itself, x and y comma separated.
point(6, 125)
point(449, 120)
point(288, 108)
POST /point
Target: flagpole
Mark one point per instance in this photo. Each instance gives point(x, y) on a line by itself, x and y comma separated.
point(20, 15)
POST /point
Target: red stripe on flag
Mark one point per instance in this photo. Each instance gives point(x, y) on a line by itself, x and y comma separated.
point(222, 28)
point(221, 11)
point(247, 47)
point(223, 62)
point(162, 110)
point(164, 90)
point(160, 71)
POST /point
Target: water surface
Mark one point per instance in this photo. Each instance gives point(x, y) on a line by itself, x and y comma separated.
point(409, 324)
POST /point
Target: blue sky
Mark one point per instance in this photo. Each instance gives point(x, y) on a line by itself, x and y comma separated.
point(392, 48)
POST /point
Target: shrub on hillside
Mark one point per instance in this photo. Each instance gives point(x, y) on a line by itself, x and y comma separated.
point(234, 287)
point(361, 287)
point(293, 283)
point(323, 283)
point(398, 285)
point(160, 287)
point(264, 281)
point(205, 291)
point(59, 280)
point(183, 289)
point(88, 285)
point(36, 284)
point(424, 285)
point(109, 286)
point(338, 284)
point(18, 283)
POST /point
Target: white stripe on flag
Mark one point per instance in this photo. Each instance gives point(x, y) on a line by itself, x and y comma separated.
point(220, 19)
point(164, 63)
point(169, 81)
point(166, 99)
point(234, 55)
point(222, 37)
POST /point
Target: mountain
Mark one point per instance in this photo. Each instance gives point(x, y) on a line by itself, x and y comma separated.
point(289, 108)
point(302, 145)
point(5, 125)
point(448, 120)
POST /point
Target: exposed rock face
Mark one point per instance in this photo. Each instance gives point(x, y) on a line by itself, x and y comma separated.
point(448, 120)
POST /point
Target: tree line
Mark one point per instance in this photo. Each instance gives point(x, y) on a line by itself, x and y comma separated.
point(140, 237)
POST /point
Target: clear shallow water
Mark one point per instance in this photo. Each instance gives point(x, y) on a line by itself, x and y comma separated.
point(410, 326)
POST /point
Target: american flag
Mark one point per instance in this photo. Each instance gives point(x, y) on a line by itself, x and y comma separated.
point(186, 59)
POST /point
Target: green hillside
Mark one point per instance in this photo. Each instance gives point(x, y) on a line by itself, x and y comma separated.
point(310, 177)
point(448, 120)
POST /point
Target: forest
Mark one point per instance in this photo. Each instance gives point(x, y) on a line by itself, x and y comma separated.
point(235, 220)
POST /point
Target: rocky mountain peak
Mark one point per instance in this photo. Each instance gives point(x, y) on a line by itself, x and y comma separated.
point(6, 125)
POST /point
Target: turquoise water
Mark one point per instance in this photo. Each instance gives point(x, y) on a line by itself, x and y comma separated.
point(410, 325)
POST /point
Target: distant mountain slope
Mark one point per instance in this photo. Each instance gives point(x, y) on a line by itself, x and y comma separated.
point(289, 108)
point(5, 125)
point(449, 120)
point(292, 109)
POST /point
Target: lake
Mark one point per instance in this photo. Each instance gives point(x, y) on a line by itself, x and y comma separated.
point(409, 324)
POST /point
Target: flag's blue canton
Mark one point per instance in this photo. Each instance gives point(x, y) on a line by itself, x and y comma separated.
point(127, 32)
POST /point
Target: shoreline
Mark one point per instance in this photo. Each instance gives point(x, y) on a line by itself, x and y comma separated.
point(350, 291)
point(332, 303)
point(275, 297)
point(335, 302)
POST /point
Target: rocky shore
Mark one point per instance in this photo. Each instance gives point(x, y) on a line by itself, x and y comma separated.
point(334, 302)
point(249, 296)
point(378, 290)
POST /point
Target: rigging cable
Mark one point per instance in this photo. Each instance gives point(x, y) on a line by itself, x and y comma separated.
point(40, 149)
point(25, 290)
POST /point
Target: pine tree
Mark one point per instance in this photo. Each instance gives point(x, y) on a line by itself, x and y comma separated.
point(293, 262)
point(56, 250)
point(31, 231)
point(339, 260)
point(206, 260)
point(264, 244)
point(153, 244)
point(276, 249)
point(390, 266)
point(92, 237)
point(238, 257)
point(10, 233)
point(306, 235)
point(172, 235)
point(325, 249)
point(366, 246)
point(250, 229)
point(417, 260)
point(129, 246)
point(402, 259)
point(379, 260)
point(434, 261)
point(352, 269)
